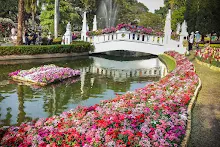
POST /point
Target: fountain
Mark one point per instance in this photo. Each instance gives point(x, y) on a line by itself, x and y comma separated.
point(107, 13)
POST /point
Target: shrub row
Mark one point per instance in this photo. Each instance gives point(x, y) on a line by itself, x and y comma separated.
point(211, 45)
point(75, 47)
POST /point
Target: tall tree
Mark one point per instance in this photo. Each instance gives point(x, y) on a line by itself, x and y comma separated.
point(151, 20)
point(20, 21)
point(67, 13)
point(56, 18)
point(178, 8)
point(203, 15)
point(31, 7)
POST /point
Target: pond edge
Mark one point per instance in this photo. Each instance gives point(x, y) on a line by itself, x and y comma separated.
point(42, 56)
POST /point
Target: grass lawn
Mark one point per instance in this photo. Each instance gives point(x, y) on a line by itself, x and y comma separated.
point(170, 62)
point(206, 113)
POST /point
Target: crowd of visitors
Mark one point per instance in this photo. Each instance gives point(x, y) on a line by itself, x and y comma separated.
point(31, 37)
point(196, 38)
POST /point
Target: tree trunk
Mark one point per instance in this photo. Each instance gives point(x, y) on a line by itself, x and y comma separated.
point(20, 22)
point(56, 18)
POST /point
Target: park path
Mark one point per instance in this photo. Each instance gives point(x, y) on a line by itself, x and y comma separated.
point(206, 113)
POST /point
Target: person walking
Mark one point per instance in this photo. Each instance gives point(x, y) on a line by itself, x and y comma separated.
point(191, 41)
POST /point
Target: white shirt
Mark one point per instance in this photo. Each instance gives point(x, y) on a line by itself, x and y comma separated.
point(191, 38)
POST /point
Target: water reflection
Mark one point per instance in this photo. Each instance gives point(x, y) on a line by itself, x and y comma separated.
point(100, 80)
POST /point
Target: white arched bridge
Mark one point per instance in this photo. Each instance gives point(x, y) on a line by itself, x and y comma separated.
point(124, 40)
point(129, 41)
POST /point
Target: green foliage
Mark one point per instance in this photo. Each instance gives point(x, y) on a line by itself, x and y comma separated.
point(75, 47)
point(178, 17)
point(178, 8)
point(211, 45)
point(130, 11)
point(162, 12)
point(203, 15)
point(67, 14)
point(151, 20)
point(57, 40)
point(9, 9)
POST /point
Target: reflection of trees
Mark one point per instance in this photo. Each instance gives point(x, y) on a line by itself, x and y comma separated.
point(7, 120)
point(58, 97)
point(21, 114)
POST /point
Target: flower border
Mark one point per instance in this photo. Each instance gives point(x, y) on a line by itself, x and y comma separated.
point(212, 67)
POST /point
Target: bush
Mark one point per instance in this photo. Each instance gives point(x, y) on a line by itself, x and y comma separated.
point(211, 45)
point(57, 40)
point(77, 47)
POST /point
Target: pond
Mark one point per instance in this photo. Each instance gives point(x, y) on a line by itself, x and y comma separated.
point(101, 79)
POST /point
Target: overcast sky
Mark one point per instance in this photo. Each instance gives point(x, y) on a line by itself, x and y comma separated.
point(152, 4)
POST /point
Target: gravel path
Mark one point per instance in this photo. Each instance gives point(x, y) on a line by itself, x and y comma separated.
point(206, 113)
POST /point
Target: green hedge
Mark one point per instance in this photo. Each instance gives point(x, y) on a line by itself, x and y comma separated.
point(75, 47)
point(212, 45)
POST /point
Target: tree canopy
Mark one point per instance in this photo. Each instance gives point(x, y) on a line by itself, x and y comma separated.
point(201, 15)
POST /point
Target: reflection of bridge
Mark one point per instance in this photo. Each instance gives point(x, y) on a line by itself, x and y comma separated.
point(126, 69)
point(126, 40)
point(121, 73)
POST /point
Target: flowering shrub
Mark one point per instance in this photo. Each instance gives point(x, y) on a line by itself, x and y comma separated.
point(209, 55)
point(127, 27)
point(155, 115)
point(5, 26)
point(45, 74)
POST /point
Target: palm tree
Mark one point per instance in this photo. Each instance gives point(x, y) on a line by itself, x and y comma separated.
point(20, 21)
point(56, 18)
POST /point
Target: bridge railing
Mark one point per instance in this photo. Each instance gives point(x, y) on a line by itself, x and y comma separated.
point(127, 36)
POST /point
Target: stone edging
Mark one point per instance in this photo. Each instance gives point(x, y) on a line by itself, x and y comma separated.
point(208, 65)
point(41, 56)
point(189, 118)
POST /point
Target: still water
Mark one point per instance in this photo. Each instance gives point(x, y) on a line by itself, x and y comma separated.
point(101, 79)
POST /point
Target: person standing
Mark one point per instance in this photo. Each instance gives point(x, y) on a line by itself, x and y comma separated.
point(49, 39)
point(26, 35)
point(197, 39)
point(191, 41)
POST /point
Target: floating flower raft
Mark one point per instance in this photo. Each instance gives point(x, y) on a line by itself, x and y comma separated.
point(44, 75)
point(155, 115)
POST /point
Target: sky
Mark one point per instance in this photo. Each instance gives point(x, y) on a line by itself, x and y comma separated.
point(152, 4)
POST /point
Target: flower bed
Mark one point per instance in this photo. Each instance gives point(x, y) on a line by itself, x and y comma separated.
point(127, 27)
point(44, 75)
point(155, 115)
point(209, 55)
